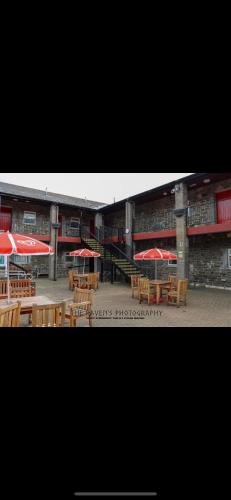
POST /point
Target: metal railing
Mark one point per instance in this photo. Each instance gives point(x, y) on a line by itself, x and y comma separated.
point(110, 248)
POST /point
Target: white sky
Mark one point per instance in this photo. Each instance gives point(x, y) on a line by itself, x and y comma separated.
point(98, 187)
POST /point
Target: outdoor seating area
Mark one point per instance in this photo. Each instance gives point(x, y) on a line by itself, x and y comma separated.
point(88, 281)
point(174, 291)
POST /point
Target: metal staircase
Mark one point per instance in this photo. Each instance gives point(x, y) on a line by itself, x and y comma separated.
point(110, 252)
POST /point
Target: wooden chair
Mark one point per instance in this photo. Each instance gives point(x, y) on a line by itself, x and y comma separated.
point(81, 307)
point(52, 315)
point(16, 293)
point(92, 282)
point(135, 282)
point(178, 297)
point(10, 316)
point(146, 291)
point(3, 289)
point(172, 286)
point(16, 286)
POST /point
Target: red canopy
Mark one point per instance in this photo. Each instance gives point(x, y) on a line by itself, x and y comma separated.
point(84, 252)
point(155, 254)
point(18, 244)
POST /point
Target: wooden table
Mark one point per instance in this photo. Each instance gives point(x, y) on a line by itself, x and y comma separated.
point(159, 284)
point(27, 303)
point(80, 278)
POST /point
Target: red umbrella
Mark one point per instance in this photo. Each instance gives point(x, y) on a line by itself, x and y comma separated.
point(18, 244)
point(85, 253)
point(155, 254)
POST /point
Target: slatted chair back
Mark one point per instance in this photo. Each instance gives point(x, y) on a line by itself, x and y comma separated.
point(82, 295)
point(52, 315)
point(92, 282)
point(10, 316)
point(135, 283)
point(173, 280)
point(178, 296)
point(82, 307)
point(79, 311)
point(3, 289)
point(16, 293)
point(146, 290)
point(182, 289)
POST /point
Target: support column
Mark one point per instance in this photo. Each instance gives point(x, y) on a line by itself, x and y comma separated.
point(129, 216)
point(53, 259)
point(181, 200)
point(98, 225)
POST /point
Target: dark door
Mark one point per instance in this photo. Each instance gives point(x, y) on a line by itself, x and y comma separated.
point(60, 233)
point(224, 207)
point(5, 219)
point(92, 227)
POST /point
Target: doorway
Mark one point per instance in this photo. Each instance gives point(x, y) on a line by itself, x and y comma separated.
point(5, 219)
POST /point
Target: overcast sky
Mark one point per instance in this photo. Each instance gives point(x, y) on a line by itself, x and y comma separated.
point(98, 187)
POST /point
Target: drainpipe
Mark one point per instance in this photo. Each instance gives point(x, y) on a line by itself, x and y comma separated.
point(54, 242)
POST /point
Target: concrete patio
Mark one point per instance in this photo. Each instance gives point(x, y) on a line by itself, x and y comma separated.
point(113, 306)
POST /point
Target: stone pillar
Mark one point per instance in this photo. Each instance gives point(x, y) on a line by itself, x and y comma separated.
point(54, 218)
point(181, 200)
point(129, 216)
point(98, 225)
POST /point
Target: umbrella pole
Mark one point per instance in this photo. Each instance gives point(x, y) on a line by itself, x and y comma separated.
point(84, 266)
point(8, 278)
point(156, 269)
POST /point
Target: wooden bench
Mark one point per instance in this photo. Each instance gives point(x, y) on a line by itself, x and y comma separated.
point(17, 288)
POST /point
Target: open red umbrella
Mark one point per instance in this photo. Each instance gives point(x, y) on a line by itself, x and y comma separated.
point(18, 244)
point(155, 254)
point(86, 254)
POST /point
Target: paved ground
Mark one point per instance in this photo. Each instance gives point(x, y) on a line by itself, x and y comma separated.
point(114, 306)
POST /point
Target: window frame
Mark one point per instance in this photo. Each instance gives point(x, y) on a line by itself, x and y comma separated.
point(229, 258)
point(73, 260)
point(75, 220)
point(3, 265)
point(22, 259)
point(29, 223)
point(172, 265)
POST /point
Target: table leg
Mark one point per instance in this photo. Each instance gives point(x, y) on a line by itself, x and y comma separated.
point(158, 295)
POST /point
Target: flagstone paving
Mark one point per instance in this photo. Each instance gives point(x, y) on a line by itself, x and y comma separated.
point(113, 306)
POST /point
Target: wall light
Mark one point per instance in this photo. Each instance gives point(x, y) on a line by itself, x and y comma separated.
point(206, 181)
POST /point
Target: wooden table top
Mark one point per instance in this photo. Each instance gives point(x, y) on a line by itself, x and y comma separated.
point(160, 282)
point(27, 302)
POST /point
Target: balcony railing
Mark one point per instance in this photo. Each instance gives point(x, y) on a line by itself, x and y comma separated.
point(103, 234)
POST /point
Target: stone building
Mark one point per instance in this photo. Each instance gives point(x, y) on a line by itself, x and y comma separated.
point(191, 216)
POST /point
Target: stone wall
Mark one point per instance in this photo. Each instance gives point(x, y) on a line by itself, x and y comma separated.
point(42, 218)
point(208, 261)
point(202, 203)
point(155, 215)
point(115, 219)
point(66, 214)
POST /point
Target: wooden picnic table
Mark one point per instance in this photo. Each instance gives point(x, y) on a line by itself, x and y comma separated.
point(159, 284)
point(27, 303)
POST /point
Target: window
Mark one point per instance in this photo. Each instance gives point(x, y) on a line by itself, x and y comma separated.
point(75, 223)
point(29, 218)
point(2, 261)
point(229, 258)
point(71, 260)
point(22, 259)
point(172, 263)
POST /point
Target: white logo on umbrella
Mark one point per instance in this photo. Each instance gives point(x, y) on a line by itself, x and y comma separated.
point(27, 243)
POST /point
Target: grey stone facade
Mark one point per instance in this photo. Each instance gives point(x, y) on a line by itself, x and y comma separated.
point(202, 208)
point(156, 215)
point(208, 261)
point(42, 218)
